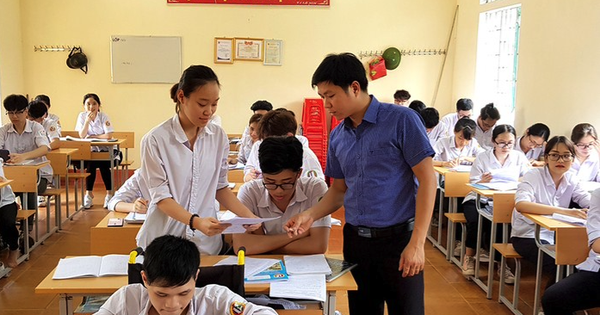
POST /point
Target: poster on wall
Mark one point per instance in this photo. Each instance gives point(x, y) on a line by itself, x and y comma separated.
point(273, 52)
point(249, 49)
point(257, 2)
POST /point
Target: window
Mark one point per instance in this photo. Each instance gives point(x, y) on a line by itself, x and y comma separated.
point(497, 60)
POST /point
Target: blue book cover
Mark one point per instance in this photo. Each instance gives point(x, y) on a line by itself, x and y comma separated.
point(276, 272)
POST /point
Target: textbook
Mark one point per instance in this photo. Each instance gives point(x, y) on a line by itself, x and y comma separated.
point(91, 266)
point(69, 138)
point(276, 272)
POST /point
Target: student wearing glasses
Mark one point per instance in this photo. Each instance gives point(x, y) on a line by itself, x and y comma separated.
point(586, 163)
point(499, 164)
point(547, 190)
point(486, 122)
point(283, 193)
point(532, 143)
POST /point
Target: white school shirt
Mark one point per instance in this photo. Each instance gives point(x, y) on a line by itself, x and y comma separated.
point(436, 133)
point(134, 187)
point(56, 119)
point(537, 186)
point(592, 263)
point(99, 126)
point(450, 121)
point(191, 178)
point(445, 149)
point(52, 129)
point(589, 170)
point(244, 149)
point(6, 194)
point(309, 191)
point(215, 119)
point(484, 137)
point(311, 167)
point(533, 154)
point(211, 299)
point(515, 166)
point(33, 137)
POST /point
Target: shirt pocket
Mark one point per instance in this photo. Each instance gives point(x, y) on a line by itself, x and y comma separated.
point(389, 151)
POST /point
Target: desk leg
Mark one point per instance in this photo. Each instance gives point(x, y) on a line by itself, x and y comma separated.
point(491, 264)
point(112, 169)
point(81, 164)
point(66, 304)
point(329, 308)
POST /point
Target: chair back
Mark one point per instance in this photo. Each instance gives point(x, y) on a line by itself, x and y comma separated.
point(504, 203)
point(128, 136)
point(70, 133)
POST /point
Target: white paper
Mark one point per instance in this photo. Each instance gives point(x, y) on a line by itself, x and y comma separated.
point(569, 219)
point(91, 266)
point(501, 185)
point(301, 287)
point(69, 138)
point(252, 265)
point(307, 264)
point(590, 186)
point(462, 168)
point(134, 217)
point(237, 223)
point(114, 265)
point(504, 175)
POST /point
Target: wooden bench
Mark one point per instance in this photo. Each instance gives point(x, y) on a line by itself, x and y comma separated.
point(508, 251)
point(453, 219)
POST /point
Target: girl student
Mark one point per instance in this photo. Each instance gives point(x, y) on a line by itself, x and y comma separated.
point(547, 190)
point(586, 163)
point(532, 143)
point(451, 151)
point(132, 196)
point(184, 164)
point(501, 163)
point(94, 124)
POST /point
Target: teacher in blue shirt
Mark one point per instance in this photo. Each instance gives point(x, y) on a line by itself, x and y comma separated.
point(381, 163)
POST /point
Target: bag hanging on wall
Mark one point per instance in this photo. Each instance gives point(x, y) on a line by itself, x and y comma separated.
point(377, 68)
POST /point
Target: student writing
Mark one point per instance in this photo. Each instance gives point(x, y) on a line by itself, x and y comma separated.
point(486, 122)
point(532, 143)
point(461, 147)
point(133, 196)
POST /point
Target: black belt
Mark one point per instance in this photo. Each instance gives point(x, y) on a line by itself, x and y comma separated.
point(369, 232)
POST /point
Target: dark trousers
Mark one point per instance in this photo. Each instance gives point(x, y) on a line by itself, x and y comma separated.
point(8, 229)
point(378, 277)
point(578, 291)
point(90, 167)
point(527, 248)
point(472, 216)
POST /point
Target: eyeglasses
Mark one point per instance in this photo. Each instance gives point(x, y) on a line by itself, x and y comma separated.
point(286, 186)
point(585, 146)
point(534, 144)
point(16, 112)
point(557, 157)
point(503, 145)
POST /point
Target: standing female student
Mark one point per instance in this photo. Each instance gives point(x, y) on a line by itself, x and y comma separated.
point(184, 164)
point(94, 124)
point(451, 151)
point(587, 147)
point(532, 143)
point(580, 290)
point(547, 190)
point(502, 163)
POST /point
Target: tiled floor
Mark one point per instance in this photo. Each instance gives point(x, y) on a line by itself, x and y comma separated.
point(446, 290)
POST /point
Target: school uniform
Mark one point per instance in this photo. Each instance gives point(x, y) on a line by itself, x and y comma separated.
point(449, 122)
point(33, 137)
point(56, 119)
point(589, 170)
point(191, 178)
point(99, 126)
point(308, 192)
point(216, 119)
point(436, 133)
point(244, 149)
point(537, 186)
point(311, 167)
point(484, 137)
point(8, 215)
point(52, 129)
point(533, 154)
point(445, 149)
point(580, 290)
point(209, 300)
point(134, 187)
point(515, 166)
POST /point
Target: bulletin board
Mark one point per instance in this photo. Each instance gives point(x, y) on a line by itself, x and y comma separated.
point(145, 59)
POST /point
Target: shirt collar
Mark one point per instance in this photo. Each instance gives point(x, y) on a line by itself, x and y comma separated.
point(27, 129)
point(180, 134)
point(370, 114)
point(299, 196)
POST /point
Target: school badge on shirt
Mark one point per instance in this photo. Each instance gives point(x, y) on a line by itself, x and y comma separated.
point(107, 123)
point(237, 308)
point(52, 129)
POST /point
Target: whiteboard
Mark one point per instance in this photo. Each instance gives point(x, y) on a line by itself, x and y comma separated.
point(145, 59)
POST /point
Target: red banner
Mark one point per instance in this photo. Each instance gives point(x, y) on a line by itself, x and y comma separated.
point(257, 2)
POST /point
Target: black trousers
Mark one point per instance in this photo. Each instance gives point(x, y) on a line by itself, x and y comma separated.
point(527, 248)
point(472, 217)
point(90, 167)
point(8, 229)
point(378, 277)
point(578, 291)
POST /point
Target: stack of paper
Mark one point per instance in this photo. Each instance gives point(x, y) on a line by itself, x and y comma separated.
point(310, 286)
point(276, 272)
point(135, 218)
point(252, 265)
point(569, 219)
point(238, 223)
point(307, 264)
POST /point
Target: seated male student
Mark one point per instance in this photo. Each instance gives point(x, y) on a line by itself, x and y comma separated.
point(38, 111)
point(434, 127)
point(281, 122)
point(132, 196)
point(464, 108)
point(282, 192)
point(170, 269)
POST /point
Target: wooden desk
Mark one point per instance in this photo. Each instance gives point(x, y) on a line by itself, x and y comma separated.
point(504, 203)
point(108, 285)
point(113, 240)
point(5, 183)
point(571, 248)
point(455, 185)
point(60, 159)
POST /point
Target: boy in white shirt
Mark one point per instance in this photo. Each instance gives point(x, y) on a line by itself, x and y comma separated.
point(170, 270)
point(38, 111)
point(283, 193)
point(46, 100)
point(464, 108)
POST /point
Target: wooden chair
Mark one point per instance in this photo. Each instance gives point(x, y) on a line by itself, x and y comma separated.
point(60, 168)
point(83, 153)
point(453, 219)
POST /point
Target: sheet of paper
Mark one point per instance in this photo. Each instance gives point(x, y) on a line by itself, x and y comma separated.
point(307, 264)
point(462, 168)
point(590, 186)
point(569, 219)
point(502, 185)
point(504, 175)
point(252, 265)
point(134, 217)
point(114, 265)
point(301, 287)
point(237, 223)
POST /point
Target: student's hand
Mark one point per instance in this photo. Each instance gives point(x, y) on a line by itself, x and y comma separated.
point(210, 226)
point(91, 116)
point(536, 163)
point(16, 158)
point(596, 145)
point(578, 213)
point(253, 227)
point(253, 174)
point(140, 205)
point(412, 260)
point(298, 224)
point(486, 177)
point(449, 164)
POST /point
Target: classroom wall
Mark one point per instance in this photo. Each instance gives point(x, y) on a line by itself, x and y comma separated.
point(11, 70)
point(559, 68)
point(309, 33)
